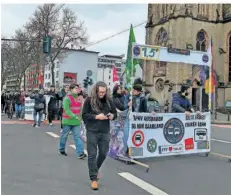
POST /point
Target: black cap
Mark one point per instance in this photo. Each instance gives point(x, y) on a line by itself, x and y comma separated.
point(184, 87)
point(137, 87)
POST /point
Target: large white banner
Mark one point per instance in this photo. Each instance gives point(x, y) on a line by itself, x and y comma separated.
point(168, 134)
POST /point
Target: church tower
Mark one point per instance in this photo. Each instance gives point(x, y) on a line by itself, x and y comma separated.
point(187, 26)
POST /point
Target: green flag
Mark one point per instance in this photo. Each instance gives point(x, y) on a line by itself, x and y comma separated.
point(128, 69)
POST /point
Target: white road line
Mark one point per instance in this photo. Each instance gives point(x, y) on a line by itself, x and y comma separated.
point(142, 184)
point(73, 146)
point(52, 134)
point(222, 141)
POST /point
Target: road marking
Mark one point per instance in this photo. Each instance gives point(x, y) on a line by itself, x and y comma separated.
point(222, 126)
point(52, 134)
point(142, 184)
point(220, 155)
point(222, 141)
point(73, 146)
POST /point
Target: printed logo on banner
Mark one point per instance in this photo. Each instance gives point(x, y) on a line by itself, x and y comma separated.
point(205, 58)
point(151, 145)
point(138, 138)
point(136, 51)
point(200, 134)
point(202, 145)
point(170, 149)
point(174, 131)
point(189, 144)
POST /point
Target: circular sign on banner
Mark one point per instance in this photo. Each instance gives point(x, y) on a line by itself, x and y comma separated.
point(138, 138)
point(151, 145)
point(174, 130)
point(136, 51)
point(205, 58)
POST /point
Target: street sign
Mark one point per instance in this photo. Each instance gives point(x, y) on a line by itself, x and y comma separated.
point(89, 73)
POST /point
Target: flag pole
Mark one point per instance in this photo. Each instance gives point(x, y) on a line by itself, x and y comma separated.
point(210, 78)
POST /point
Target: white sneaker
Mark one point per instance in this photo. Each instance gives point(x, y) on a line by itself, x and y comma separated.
point(50, 124)
point(37, 126)
point(61, 131)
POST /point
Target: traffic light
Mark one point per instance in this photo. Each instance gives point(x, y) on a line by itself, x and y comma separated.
point(47, 44)
point(85, 83)
point(90, 82)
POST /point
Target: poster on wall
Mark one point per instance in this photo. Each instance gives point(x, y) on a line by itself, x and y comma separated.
point(168, 134)
point(69, 78)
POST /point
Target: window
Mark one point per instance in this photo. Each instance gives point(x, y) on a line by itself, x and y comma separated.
point(49, 76)
point(201, 41)
point(57, 74)
point(109, 77)
point(229, 60)
point(57, 65)
point(45, 76)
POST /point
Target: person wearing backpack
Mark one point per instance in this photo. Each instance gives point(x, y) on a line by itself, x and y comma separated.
point(39, 107)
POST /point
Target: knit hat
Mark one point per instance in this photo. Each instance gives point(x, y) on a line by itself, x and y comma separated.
point(137, 87)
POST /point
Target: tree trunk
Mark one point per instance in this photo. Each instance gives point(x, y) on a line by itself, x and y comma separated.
point(52, 73)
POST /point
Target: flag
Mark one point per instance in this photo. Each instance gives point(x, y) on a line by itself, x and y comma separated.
point(115, 76)
point(128, 69)
point(210, 78)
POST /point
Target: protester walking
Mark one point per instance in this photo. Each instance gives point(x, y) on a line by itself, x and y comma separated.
point(61, 97)
point(98, 110)
point(52, 105)
point(71, 121)
point(39, 107)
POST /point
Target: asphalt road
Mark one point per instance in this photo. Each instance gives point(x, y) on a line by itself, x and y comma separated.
point(31, 165)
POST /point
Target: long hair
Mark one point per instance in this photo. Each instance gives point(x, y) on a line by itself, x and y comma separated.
point(96, 104)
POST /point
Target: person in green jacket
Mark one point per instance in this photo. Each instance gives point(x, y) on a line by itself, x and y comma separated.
point(71, 121)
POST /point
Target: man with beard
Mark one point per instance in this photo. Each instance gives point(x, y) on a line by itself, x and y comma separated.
point(98, 110)
point(180, 102)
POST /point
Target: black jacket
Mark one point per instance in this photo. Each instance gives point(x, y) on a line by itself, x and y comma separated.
point(52, 105)
point(143, 104)
point(88, 115)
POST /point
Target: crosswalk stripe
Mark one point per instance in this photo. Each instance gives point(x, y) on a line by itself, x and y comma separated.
point(52, 134)
point(142, 184)
point(222, 141)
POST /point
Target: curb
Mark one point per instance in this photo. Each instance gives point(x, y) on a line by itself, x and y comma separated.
point(221, 122)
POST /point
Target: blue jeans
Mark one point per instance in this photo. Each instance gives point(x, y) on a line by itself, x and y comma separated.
point(22, 112)
point(18, 109)
point(76, 136)
point(40, 113)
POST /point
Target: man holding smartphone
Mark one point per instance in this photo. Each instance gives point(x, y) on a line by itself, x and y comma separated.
point(97, 112)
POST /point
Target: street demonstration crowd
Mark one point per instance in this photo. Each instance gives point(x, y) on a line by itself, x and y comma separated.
point(95, 110)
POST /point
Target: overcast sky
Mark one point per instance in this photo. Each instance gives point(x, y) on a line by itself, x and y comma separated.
point(101, 21)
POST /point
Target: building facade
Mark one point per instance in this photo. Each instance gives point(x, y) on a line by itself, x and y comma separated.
point(34, 77)
point(189, 26)
point(105, 68)
point(76, 61)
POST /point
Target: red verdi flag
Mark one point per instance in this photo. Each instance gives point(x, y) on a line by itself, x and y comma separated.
point(115, 75)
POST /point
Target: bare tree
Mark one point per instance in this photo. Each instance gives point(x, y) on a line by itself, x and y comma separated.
point(62, 26)
point(7, 60)
point(25, 52)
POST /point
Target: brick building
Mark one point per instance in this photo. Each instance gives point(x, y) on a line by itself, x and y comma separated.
point(189, 26)
point(34, 77)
